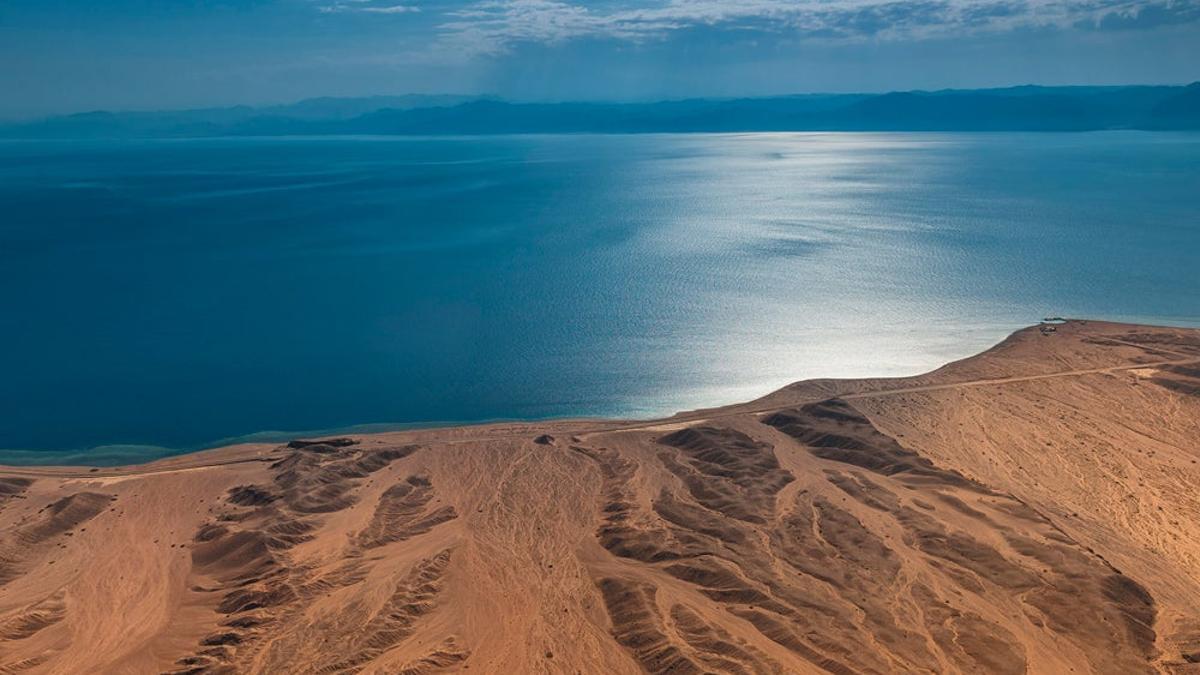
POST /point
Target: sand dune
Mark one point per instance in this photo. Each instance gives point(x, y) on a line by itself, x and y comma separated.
point(1032, 509)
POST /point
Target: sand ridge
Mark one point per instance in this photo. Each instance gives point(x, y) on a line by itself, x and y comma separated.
point(1029, 509)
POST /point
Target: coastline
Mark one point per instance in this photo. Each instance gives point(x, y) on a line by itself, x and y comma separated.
point(135, 454)
point(250, 444)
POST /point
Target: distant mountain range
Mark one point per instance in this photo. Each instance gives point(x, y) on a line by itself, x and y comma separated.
point(1027, 108)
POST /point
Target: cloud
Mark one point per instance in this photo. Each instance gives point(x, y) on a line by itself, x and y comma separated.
point(496, 26)
point(392, 9)
point(1150, 15)
point(367, 7)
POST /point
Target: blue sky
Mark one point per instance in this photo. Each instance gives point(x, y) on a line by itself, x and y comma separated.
point(71, 55)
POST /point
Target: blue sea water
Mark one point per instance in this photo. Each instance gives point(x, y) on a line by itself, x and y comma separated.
point(160, 296)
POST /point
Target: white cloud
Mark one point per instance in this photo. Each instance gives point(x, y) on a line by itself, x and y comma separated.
point(367, 7)
point(494, 26)
point(391, 9)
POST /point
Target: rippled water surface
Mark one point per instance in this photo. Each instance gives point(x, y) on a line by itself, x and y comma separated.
point(175, 293)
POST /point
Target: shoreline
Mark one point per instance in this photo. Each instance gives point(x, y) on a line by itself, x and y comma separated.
point(256, 442)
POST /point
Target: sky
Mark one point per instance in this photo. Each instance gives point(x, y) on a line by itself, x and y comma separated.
point(60, 56)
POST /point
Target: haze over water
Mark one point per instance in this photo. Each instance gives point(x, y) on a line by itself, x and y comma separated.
point(176, 293)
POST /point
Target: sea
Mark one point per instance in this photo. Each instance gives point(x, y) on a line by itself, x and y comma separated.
point(163, 296)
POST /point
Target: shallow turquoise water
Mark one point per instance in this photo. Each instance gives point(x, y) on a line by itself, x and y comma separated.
point(171, 294)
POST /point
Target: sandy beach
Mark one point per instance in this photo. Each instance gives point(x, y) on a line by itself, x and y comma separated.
point(1029, 509)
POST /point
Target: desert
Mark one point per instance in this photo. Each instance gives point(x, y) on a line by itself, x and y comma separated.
point(1029, 509)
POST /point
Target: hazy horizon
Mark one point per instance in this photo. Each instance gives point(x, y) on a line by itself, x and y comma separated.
point(599, 99)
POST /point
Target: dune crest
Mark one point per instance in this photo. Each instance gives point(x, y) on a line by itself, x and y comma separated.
point(1031, 509)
